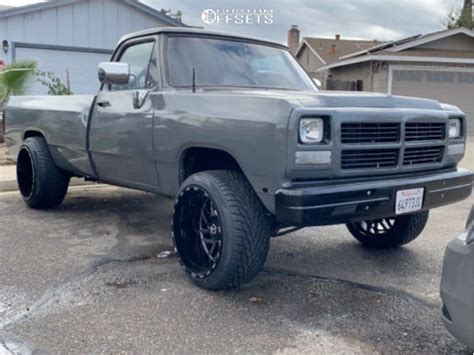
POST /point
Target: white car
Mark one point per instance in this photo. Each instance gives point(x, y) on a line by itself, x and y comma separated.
point(457, 286)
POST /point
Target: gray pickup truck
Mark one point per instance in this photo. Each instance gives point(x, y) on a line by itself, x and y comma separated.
point(236, 131)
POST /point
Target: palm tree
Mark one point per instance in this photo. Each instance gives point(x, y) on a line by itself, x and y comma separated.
point(15, 79)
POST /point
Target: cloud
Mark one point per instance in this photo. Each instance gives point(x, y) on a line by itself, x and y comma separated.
point(364, 19)
point(369, 19)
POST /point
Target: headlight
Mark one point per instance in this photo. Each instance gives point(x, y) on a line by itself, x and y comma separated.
point(454, 128)
point(311, 130)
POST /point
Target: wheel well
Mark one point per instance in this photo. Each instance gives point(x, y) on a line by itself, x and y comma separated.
point(29, 134)
point(201, 159)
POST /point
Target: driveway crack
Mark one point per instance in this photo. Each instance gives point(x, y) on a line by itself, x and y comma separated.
point(388, 291)
point(52, 293)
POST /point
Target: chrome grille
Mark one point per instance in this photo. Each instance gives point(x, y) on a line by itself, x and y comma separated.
point(422, 155)
point(369, 158)
point(425, 131)
point(359, 133)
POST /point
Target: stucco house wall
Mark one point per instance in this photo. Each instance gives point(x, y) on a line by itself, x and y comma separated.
point(459, 42)
point(352, 73)
point(310, 62)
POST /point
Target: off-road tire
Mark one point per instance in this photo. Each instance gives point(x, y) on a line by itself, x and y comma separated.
point(246, 228)
point(405, 229)
point(42, 184)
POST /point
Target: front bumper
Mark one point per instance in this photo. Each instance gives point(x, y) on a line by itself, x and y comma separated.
point(333, 203)
point(457, 291)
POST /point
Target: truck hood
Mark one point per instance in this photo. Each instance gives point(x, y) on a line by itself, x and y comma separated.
point(345, 99)
point(373, 100)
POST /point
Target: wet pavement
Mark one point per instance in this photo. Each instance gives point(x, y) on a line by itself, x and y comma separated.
point(90, 277)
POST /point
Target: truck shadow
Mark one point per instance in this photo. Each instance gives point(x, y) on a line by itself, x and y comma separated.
point(325, 251)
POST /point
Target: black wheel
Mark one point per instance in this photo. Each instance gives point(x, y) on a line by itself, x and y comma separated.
point(42, 184)
point(389, 232)
point(221, 230)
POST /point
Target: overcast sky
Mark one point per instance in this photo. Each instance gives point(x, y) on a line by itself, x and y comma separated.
point(365, 19)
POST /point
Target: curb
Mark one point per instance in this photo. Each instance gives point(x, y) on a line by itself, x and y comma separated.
point(11, 185)
point(6, 162)
point(8, 185)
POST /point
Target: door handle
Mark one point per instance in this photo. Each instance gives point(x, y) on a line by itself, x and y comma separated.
point(104, 104)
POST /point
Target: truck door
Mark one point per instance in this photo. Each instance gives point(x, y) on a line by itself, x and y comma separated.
point(121, 132)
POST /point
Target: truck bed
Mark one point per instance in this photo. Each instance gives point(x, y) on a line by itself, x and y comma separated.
point(62, 120)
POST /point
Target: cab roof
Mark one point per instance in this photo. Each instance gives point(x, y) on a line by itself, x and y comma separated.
point(195, 31)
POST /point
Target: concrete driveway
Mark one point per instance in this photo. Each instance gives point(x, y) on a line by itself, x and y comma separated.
point(90, 277)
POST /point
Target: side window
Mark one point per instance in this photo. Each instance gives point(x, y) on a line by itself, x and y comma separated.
point(142, 61)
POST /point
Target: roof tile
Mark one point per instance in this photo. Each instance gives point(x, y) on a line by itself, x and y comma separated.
point(323, 46)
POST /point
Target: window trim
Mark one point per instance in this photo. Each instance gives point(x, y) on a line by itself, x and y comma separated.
point(123, 47)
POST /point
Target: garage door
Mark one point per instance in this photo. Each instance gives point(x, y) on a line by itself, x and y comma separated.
point(82, 67)
point(452, 87)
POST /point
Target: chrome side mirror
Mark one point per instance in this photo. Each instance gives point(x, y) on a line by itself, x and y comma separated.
point(114, 73)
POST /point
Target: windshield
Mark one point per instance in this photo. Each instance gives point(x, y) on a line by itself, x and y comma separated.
point(230, 63)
